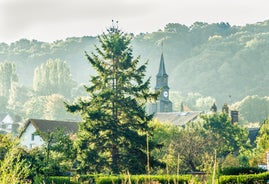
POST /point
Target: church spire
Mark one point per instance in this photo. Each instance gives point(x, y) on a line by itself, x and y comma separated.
point(162, 71)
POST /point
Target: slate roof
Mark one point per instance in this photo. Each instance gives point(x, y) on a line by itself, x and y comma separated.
point(43, 125)
point(162, 71)
point(177, 118)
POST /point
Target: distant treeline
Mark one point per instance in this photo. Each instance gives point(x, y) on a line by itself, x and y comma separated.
point(215, 60)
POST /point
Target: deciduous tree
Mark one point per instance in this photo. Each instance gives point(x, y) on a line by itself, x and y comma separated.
point(53, 77)
point(8, 75)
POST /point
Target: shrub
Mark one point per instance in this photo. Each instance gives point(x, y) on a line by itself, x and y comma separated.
point(244, 179)
point(139, 179)
point(241, 170)
point(59, 179)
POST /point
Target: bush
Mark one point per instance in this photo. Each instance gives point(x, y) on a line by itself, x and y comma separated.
point(244, 179)
point(59, 179)
point(86, 178)
point(241, 170)
point(139, 179)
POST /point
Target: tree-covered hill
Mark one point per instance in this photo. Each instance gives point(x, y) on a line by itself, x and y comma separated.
point(215, 60)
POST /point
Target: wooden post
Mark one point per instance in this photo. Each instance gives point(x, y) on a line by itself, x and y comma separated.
point(214, 168)
point(177, 166)
point(148, 166)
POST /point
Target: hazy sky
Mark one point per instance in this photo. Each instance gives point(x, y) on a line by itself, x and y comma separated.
point(49, 20)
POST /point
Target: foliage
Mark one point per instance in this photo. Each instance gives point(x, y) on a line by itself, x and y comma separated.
point(5, 145)
point(258, 155)
point(253, 108)
point(8, 75)
point(49, 107)
point(53, 77)
point(232, 160)
point(13, 168)
point(3, 103)
point(34, 107)
point(198, 102)
point(173, 179)
point(193, 146)
point(54, 108)
point(244, 179)
point(191, 101)
point(18, 95)
point(165, 135)
point(59, 154)
point(112, 134)
point(226, 137)
point(59, 179)
point(241, 170)
point(217, 54)
point(214, 56)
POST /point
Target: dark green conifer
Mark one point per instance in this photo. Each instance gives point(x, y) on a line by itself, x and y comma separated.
point(112, 134)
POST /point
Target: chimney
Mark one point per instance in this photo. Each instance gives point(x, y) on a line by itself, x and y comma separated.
point(234, 116)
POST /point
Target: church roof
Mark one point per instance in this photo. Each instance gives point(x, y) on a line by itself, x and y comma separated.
point(177, 118)
point(162, 71)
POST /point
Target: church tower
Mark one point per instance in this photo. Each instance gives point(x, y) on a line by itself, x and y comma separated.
point(163, 103)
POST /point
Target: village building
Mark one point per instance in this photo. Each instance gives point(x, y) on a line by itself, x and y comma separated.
point(33, 129)
point(9, 124)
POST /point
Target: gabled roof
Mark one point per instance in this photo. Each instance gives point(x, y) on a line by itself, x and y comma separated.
point(47, 126)
point(2, 116)
point(177, 118)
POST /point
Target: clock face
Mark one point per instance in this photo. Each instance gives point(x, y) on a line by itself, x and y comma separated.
point(165, 94)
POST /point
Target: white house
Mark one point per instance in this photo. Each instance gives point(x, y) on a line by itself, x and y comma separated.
point(29, 137)
point(9, 124)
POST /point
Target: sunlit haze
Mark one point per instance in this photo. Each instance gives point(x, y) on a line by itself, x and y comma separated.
point(49, 20)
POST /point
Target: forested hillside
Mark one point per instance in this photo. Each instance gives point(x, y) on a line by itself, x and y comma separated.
point(215, 60)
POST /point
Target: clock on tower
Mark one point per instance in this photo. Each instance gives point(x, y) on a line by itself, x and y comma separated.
point(165, 94)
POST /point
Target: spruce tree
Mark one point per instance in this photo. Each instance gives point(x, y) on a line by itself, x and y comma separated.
point(112, 134)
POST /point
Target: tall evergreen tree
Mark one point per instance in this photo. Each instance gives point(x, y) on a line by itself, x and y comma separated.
point(112, 134)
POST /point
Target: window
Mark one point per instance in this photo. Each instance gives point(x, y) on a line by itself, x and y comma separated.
point(33, 137)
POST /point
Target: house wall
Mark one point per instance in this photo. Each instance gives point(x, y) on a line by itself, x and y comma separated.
point(28, 138)
point(7, 123)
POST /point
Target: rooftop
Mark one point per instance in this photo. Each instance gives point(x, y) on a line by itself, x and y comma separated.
point(177, 118)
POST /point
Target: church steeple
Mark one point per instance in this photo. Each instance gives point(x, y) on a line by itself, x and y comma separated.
point(163, 104)
point(162, 77)
point(162, 71)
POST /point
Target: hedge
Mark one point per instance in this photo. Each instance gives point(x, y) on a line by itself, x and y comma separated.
point(140, 179)
point(245, 179)
point(59, 179)
point(241, 170)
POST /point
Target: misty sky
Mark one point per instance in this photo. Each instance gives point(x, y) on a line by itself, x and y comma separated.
point(49, 20)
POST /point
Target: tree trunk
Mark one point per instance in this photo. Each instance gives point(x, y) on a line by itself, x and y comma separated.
point(114, 152)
